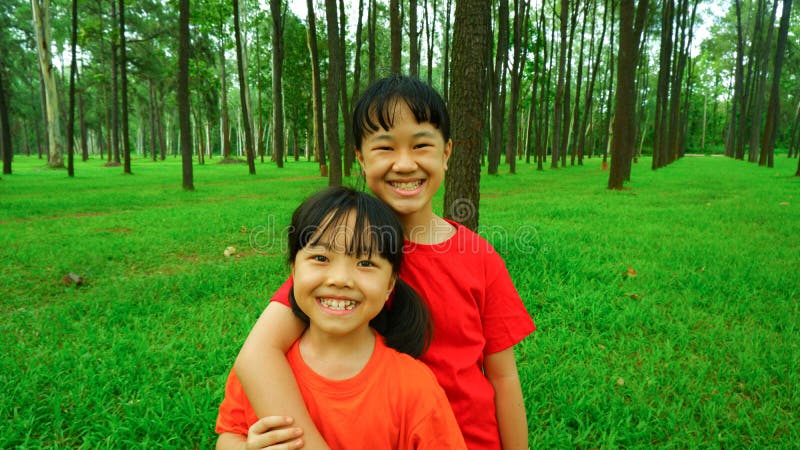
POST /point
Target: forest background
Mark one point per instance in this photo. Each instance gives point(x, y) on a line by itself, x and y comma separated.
point(531, 86)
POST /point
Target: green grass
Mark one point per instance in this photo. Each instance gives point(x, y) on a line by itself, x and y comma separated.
point(699, 349)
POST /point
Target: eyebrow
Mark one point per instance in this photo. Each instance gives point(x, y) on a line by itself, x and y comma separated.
point(389, 137)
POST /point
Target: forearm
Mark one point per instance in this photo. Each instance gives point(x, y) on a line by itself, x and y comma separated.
point(231, 441)
point(511, 417)
point(501, 370)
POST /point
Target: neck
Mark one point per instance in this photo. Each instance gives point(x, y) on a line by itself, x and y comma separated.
point(337, 357)
point(427, 229)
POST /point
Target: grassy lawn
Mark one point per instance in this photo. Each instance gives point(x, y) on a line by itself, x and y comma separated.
point(667, 313)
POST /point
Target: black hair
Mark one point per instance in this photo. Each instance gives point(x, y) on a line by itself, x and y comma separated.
point(376, 107)
point(405, 324)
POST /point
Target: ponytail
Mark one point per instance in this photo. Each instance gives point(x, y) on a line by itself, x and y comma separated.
point(406, 323)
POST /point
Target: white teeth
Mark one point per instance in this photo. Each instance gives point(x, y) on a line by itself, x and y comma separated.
point(408, 185)
point(341, 305)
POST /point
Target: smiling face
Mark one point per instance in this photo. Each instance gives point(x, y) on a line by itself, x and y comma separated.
point(340, 290)
point(404, 166)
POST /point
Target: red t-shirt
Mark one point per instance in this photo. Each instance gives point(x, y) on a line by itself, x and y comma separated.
point(476, 311)
point(393, 403)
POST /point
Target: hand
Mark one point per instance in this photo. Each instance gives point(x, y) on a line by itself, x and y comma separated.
point(274, 433)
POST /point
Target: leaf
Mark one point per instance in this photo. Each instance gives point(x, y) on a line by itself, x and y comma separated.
point(229, 251)
point(631, 272)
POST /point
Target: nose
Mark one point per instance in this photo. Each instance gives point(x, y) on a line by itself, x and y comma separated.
point(340, 274)
point(404, 161)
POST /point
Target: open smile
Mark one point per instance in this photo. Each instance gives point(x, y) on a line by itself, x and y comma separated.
point(407, 187)
point(336, 305)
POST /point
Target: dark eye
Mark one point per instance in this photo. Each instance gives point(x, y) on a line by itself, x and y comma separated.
point(320, 258)
point(366, 263)
point(421, 146)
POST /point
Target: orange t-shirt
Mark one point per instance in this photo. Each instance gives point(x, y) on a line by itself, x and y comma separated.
point(393, 403)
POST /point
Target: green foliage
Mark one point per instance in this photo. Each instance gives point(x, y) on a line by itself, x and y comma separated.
point(667, 313)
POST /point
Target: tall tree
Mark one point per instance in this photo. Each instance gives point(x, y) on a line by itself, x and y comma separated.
point(395, 30)
point(520, 24)
point(72, 70)
point(316, 88)
point(277, 80)
point(123, 75)
point(770, 126)
point(471, 41)
point(624, 136)
point(41, 22)
point(183, 95)
point(413, 40)
point(248, 131)
point(560, 85)
point(223, 79)
point(5, 128)
point(332, 95)
point(446, 68)
point(497, 87)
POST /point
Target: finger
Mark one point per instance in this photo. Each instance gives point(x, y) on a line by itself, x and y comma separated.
point(293, 445)
point(267, 423)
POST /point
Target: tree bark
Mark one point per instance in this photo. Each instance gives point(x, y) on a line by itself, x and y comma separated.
point(5, 128)
point(278, 143)
point(73, 69)
point(497, 88)
point(248, 132)
point(123, 74)
point(41, 21)
point(624, 137)
point(344, 101)
point(183, 95)
point(413, 40)
point(332, 95)
point(316, 88)
point(773, 109)
point(446, 69)
point(471, 41)
point(395, 30)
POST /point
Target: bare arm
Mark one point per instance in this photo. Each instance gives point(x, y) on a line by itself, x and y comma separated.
point(501, 370)
point(265, 374)
point(266, 434)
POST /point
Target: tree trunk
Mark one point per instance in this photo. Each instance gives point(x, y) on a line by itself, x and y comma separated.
point(82, 126)
point(795, 127)
point(413, 40)
point(759, 80)
point(123, 73)
point(497, 87)
point(72, 72)
point(344, 102)
point(520, 24)
point(471, 41)
point(395, 30)
point(5, 128)
point(225, 118)
point(248, 131)
point(332, 95)
point(624, 138)
point(372, 25)
point(183, 95)
point(316, 88)
point(588, 101)
point(41, 21)
point(770, 126)
point(278, 143)
point(560, 85)
point(661, 124)
point(576, 110)
point(446, 69)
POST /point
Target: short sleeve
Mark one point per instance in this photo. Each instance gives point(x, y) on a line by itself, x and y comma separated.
point(438, 428)
point(505, 319)
point(282, 294)
point(235, 412)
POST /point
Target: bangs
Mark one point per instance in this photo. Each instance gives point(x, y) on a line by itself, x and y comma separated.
point(336, 234)
point(346, 221)
point(382, 111)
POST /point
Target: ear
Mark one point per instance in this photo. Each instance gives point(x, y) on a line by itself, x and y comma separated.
point(448, 150)
point(359, 157)
point(389, 291)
